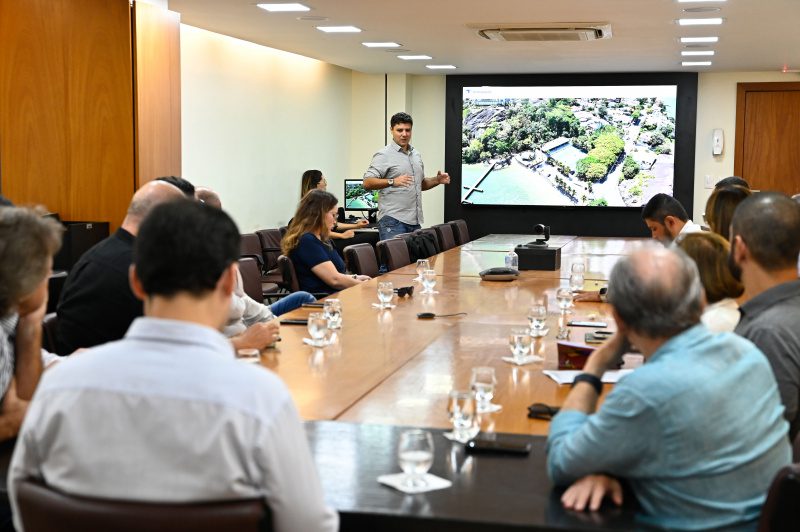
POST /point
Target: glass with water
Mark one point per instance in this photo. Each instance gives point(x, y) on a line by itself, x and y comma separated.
point(564, 299)
point(483, 382)
point(461, 410)
point(428, 281)
point(415, 455)
point(422, 265)
point(537, 317)
point(520, 343)
point(385, 294)
point(332, 310)
point(317, 328)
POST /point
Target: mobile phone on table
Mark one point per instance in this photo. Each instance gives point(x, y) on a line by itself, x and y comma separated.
point(577, 323)
point(498, 445)
point(594, 338)
point(292, 321)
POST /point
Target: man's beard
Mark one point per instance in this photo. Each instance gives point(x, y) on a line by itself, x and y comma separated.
point(735, 269)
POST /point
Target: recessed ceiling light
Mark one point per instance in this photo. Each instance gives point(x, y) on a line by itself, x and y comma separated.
point(700, 21)
point(414, 57)
point(697, 52)
point(275, 8)
point(699, 39)
point(440, 67)
point(381, 44)
point(339, 29)
point(695, 63)
point(706, 9)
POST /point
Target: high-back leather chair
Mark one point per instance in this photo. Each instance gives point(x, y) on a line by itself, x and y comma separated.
point(270, 247)
point(361, 259)
point(251, 278)
point(44, 509)
point(393, 253)
point(445, 234)
point(250, 246)
point(780, 512)
point(460, 231)
point(286, 267)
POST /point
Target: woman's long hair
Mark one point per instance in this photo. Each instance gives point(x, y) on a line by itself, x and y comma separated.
point(310, 181)
point(309, 218)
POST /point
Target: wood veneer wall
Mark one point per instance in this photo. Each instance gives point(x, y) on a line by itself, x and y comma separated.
point(66, 114)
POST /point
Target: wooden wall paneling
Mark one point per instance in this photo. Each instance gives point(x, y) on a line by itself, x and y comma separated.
point(157, 88)
point(66, 117)
point(768, 136)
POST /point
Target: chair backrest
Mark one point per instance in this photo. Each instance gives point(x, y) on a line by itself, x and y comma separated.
point(445, 234)
point(460, 231)
point(43, 509)
point(251, 278)
point(283, 229)
point(286, 268)
point(270, 247)
point(434, 236)
point(361, 259)
point(780, 511)
point(393, 253)
point(251, 247)
point(49, 332)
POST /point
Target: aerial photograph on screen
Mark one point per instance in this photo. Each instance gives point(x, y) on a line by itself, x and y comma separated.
point(357, 197)
point(594, 146)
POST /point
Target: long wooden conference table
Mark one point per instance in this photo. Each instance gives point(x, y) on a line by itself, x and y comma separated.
point(390, 369)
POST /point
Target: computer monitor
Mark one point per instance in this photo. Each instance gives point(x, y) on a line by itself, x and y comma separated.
point(357, 198)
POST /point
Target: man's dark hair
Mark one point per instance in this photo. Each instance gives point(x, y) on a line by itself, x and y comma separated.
point(731, 181)
point(769, 223)
point(662, 205)
point(401, 118)
point(184, 246)
point(185, 186)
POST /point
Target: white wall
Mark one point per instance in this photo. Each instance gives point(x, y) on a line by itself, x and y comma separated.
point(716, 108)
point(254, 118)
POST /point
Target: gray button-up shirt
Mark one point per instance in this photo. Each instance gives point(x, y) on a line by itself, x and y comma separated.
point(771, 320)
point(401, 203)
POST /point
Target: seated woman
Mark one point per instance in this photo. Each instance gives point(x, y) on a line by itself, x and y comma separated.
point(27, 245)
point(314, 180)
point(710, 252)
point(720, 206)
point(318, 266)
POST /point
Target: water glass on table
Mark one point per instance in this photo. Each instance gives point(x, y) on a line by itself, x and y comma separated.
point(422, 265)
point(576, 281)
point(428, 281)
point(579, 268)
point(332, 310)
point(415, 455)
point(537, 317)
point(317, 328)
point(520, 343)
point(564, 299)
point(483, 382)
point(461, 411)
point(385, 294)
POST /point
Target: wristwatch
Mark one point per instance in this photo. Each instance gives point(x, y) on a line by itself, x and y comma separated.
point(390, 181)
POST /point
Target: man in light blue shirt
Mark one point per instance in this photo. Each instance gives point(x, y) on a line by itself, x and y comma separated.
point(697, 431)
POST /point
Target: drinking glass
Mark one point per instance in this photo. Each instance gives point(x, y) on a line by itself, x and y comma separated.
point(461, 410)
point(520, 343)
point(564, 299)
point(415, 454)
point(578, 267)
point(332, 310)
point(537, 316)
point(483, 381)
point(576, 281)
point(385, 294)
point(317, 328)
point(422, 265)
point(428, 281)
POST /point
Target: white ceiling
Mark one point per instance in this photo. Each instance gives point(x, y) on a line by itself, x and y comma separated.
point(757, 35)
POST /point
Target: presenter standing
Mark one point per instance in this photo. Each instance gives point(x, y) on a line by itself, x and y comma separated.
point(397, 172)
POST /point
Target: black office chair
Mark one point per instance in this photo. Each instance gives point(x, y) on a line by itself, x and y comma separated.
point(361, 259)
point(444, 233)
point(251, 278)
point(393, 253)
point(44, 509)
point(781, 513)
point(250, 246)
point(286, 268)
point(460, 231)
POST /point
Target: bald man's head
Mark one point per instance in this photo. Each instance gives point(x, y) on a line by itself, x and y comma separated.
point(208, 196)
point(148, 196)
point(656, 291)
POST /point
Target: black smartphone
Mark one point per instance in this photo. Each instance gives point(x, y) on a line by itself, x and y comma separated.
point(576, 323)
point(498, 445)
point(594, 338)
point(294, 322)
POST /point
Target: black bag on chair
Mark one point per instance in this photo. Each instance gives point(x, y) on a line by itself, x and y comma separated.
point(420, 246)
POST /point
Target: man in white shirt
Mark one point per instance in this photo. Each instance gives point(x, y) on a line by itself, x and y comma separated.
point(667, 219)
point(167, 414)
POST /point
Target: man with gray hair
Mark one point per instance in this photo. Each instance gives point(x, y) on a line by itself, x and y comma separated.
point(96, 304)
point(697, 431)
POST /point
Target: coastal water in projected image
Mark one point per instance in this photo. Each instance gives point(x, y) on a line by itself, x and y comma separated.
point(567, 146)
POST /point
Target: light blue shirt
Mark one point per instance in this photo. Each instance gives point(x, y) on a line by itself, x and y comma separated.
point(401, 203)
point(698, 432)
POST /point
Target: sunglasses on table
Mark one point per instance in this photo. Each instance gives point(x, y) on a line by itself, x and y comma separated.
point(404, 291)
point(542, 411)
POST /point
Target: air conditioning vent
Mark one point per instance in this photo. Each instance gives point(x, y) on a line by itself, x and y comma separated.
point(559, 33)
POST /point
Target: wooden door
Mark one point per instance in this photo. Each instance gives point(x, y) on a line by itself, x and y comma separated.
point(66, 106)
point(768, 136)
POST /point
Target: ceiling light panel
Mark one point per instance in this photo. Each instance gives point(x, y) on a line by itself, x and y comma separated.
point(284, 8)
point(715, 21)
point(697, 52)
point(440, 67)
point(339, 29)
point(414, 57)
point(699, 39)
point(381, 44)
point(695, 63)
